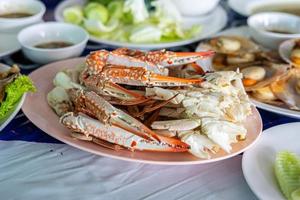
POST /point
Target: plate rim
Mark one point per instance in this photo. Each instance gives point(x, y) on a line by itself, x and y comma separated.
point(140, 160)
point(219, 9)
point(244, 157)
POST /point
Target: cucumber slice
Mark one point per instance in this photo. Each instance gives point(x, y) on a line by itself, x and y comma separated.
point(73, 15)
point(296, 194)
point(287, 171)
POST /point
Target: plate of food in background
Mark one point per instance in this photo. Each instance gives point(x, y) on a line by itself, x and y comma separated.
point(271, 83)
point(140, 113)
point(13, 87)
point(140, 25)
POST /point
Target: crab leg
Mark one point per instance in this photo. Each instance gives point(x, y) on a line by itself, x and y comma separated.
point(99, 85)
point(163, 57)
point(139, 76)
point(152, 61)
point(96, 106)
point(113, 134)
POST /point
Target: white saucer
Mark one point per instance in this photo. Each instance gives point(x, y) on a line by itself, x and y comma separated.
point(9, 44)
point(258, 161)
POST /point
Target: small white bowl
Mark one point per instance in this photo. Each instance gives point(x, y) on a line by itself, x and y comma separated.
point(52, 32)
point(261, 24)
point(14, 25)
point(195, 7)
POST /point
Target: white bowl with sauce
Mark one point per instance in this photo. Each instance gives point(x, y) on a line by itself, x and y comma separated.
point(48, 42)
point(271, 28)
point(17, 14)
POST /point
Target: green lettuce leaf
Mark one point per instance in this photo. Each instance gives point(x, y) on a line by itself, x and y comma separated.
point(14, 92)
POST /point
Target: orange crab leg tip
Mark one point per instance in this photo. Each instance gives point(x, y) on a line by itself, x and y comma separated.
point(202, 54)
point(175, 145)
point(159, 78)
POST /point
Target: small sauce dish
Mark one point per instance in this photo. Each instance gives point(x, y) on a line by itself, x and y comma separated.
point(17, 14)
point(271, 28)
point(47, 42)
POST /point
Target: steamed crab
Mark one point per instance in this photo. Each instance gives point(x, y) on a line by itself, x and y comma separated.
point(140, 100)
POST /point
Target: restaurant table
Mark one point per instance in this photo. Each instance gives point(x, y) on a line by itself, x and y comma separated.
point(34, 165)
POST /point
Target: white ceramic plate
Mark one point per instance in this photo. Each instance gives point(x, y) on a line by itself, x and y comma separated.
point(13, 112)
point(9, 44)
point(258, 162)
point(211, 23)
point(245, 7)
point(244, 31)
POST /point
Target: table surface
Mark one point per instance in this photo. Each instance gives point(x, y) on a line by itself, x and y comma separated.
point(22, 130)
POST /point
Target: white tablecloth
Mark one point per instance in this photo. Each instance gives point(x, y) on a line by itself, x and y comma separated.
point(58, 171)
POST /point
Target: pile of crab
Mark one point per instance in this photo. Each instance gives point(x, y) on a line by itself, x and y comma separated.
point(156, 101)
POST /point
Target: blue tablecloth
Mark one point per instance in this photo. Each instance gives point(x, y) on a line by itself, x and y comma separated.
point(22, 129)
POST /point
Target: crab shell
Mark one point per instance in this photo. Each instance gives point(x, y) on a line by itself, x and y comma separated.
point(287, 89)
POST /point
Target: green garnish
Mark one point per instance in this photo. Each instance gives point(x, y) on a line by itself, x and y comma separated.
point(14, 92)
point(287, 171)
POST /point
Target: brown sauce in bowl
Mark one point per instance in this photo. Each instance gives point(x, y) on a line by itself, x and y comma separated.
point(15, 15)
point(54, 45)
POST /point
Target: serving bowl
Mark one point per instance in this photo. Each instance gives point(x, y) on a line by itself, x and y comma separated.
point(272, 28)
point(195, 7)
point(52, 32)
point(34, 8)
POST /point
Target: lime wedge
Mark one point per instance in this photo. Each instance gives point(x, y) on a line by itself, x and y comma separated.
point(287, 171)
point(73, 15)
point(96, 11)
point(296, 194)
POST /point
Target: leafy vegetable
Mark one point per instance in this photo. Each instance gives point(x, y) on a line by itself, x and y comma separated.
point(138, 10)
point(73, 15)
point(287, 171)
point(14, 92)
point(96, 11)
point(132, 20)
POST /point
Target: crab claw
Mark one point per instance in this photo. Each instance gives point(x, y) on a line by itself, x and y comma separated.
point(181, 58)
point(100, 86)
point(90, 127)
point(92, 104)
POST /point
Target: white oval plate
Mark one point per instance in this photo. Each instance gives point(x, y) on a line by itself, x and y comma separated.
point(13, 112)
point(48, 121)
point(9, 44)
point(258, 162)
point(244, 31)
point(211, 23)
point(245, 7)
